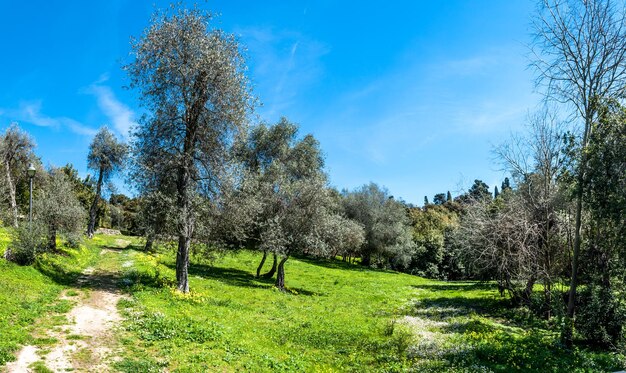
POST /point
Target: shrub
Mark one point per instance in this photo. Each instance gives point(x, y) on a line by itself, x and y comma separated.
point(27, 243)
point(74, 240)
point(601, 316)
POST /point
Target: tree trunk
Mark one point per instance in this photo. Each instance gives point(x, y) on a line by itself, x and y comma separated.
point(568, 332)
point(91, 228)
point(52, 240)
point(366, 259)
point(182, 263)
point(186, 223)
point(547, 298)
point(11, 193)
point(260, 267)
point(149, 242)
point(280, 277)
point(273, 270)
point(185, 229)
point(528, 291)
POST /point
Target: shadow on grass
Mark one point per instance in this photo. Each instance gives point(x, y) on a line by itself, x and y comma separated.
point(57, 273)
point(138, 247)
point(501, 349)
point(338, 264)
point(229, 276)
point(114, 248)
point(458, 286)
point(237, 277)
point(109, 281)
point(444, 307)
point(301, 291)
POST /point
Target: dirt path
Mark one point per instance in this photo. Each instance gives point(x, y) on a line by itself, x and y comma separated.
point(85, 342)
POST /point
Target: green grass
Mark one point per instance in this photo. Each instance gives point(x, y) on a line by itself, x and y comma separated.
point(335, 317)
point(5, 238)
point(28, 294)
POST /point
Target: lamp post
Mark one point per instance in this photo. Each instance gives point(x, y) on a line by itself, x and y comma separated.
point(31, 174)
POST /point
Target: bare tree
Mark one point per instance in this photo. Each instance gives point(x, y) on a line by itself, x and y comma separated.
point(500, 241)
point(192, 82)
point(580, 58)
point(536, 160)
point(16, 149)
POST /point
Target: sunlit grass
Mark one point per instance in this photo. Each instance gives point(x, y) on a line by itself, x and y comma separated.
point(29, 294)
point(335, 317)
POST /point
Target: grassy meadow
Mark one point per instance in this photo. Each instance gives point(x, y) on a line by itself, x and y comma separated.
point(28, 294)
point(334, 317)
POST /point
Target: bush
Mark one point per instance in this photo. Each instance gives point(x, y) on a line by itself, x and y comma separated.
point(74, 240)
point(27, 243)
point(600, 317)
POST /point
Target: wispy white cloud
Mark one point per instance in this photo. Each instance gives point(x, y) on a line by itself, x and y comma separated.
point(121, 116)
point(416, 105)
point(283, 64)
point(30, 112)
point(472, 65)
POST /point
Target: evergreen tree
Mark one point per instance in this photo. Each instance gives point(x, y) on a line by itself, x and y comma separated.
point(440, 199)
point(506, 185)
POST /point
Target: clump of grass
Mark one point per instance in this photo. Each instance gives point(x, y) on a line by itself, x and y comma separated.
point(159, 327)
point(45, 341)
point(142, 365)
point(40, 367)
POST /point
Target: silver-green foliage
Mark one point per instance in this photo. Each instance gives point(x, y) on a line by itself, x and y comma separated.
point(106, 156)
point(16, 151)
point(191, 79)
point(26, 243)
point(388, 233)
point(58, 209)
point(285, 199)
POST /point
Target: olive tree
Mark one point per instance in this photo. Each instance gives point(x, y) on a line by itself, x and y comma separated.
point(192, 83)
point(58, 209)
point(290, 209)
point(272, 156)
point(388, 233)
point(16, 150)
point(106, 156)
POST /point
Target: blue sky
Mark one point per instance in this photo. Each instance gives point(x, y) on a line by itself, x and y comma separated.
point(412, 95)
